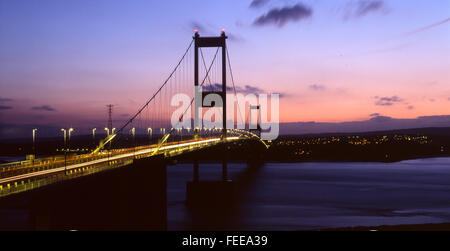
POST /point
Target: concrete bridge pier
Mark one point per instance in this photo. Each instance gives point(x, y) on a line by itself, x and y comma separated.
point(224, 170)
point(210, 193)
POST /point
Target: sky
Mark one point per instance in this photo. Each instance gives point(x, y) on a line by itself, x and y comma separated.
point(61, 62)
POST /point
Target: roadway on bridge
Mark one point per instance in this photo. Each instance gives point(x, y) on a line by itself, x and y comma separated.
point(110, 158)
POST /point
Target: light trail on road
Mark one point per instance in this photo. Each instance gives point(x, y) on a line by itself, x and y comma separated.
point(110, 158)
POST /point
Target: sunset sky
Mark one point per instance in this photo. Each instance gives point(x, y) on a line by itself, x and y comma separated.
point(61, 62)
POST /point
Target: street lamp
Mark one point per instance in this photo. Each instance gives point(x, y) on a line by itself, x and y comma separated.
point(65, 150)
point(149, 131)
point(107, 131)
point(133, 130)
point(64, 131)
point(34, 139)
point(181, 133)
point(70, 130)
point(93, 132)
point(68, 141)
point(112, 131)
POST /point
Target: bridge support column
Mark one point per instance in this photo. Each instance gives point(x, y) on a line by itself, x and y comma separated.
point(224, 171)
point(209, 194)
point(210, 42)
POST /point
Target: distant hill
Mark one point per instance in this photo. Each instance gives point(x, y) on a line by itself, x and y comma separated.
point(429, 131)
point(378, 123)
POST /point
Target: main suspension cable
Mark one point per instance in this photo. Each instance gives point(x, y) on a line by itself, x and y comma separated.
point(207, 74)
point(158, 91)
point(234, 88)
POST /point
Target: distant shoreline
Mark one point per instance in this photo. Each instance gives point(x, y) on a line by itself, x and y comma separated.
point(358, 161)
point(285, 161)
point(406, 227)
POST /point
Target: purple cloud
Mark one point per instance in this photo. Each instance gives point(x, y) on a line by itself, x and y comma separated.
point(387, 101)
point(364, 7)
point(5, 107)
point(247, 89)
point(258, 3)
point(43, 108)
point(317, 87)
point(280, 16)
point(381, 119)
point(5, 100)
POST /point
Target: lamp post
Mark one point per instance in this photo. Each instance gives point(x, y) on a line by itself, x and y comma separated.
point(65, 150)
point(93, 135)
point(112, 131)
point(133, 130)
point(70, 130)
point(68, 141)
point(180, 132)
point(149, 131)
point(64, 131)
point(34, 140)
point(107, 131)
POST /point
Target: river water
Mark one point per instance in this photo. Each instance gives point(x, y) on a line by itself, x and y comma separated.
point(303, 196)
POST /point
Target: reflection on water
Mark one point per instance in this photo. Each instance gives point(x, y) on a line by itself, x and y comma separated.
point(298, 196)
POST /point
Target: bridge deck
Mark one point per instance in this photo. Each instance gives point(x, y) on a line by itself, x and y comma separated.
point(34, 176)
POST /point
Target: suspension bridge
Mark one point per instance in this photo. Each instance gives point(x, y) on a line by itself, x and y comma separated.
point(208, 59)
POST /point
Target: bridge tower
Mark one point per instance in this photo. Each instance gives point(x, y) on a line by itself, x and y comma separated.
point(255, 128)
point(211, 42)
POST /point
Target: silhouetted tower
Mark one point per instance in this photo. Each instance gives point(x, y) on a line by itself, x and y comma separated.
point(251, 127)
point(211, 42)
point(110, 107)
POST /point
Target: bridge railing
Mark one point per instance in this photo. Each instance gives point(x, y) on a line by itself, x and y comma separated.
point(10, 186)
point(29, 184)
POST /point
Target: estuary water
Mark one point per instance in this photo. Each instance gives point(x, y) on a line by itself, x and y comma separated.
point(317, 195)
